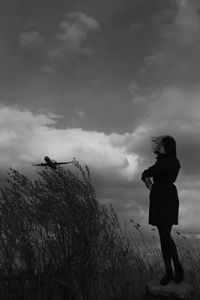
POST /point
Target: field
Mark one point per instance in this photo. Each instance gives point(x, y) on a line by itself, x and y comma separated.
point(58, 242)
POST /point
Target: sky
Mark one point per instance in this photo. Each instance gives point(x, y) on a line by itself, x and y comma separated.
point(95, 80)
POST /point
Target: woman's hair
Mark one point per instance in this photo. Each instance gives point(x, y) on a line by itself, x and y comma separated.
point(168, 143)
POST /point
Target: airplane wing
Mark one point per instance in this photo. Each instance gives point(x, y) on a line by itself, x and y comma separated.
point(63, 162)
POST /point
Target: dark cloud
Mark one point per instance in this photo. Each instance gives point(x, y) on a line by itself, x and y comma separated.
point(174, 57)
point(31, 39)
point(74, 31)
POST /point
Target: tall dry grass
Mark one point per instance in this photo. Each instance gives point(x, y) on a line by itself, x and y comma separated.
point(58, 242)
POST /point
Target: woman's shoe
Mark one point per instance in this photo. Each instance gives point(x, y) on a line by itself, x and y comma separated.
point(167, 278)
point(179, 274)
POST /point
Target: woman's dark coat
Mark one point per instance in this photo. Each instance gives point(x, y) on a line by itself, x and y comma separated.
point(164, 201)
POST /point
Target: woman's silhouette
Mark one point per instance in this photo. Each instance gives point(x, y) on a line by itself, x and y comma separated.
point(164, 202)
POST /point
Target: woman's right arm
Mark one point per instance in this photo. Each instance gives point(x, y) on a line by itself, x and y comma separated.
point(148, 182)
point(148, 172)
point(161, 167)
point(146, 177)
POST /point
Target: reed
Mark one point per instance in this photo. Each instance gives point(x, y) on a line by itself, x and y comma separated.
point(58, 242)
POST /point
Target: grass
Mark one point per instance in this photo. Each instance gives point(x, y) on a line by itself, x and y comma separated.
point(58, 242)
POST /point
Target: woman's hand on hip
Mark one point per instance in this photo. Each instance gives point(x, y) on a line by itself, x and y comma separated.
point(148, 183)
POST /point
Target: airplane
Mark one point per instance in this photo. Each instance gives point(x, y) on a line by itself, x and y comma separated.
point(50, 163)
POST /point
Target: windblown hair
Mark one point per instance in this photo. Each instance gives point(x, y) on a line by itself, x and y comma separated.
point(168, 143)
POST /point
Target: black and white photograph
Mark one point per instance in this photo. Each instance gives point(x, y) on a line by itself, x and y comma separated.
point(99, 149)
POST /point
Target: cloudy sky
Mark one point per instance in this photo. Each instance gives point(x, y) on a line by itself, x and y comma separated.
point(95, 80)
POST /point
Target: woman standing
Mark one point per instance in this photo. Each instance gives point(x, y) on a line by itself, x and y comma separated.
point(164, 202)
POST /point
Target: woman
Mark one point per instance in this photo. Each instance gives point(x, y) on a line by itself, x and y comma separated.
point(164, 202)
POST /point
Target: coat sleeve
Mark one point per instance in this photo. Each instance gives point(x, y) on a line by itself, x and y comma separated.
point(161, 167)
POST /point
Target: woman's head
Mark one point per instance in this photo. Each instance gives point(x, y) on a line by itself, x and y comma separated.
point(165, 142)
